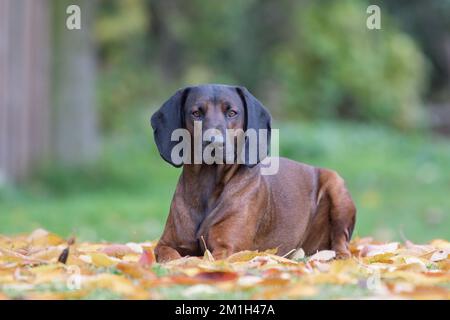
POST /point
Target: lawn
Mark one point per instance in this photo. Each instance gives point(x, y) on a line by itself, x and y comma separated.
point(400, 183)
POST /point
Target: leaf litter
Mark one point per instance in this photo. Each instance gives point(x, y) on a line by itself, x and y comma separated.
point(43, 265)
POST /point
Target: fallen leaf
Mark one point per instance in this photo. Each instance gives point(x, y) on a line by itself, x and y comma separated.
point(199, 289)
point(440, 255)
point(324, 255)
point(29, 265)
point(135, 247)
point(64, 255)
point(41, 237)
point(135, 270)
point(117, 284)
point(217, 276)
point(147, 259)
point(373, 250)
point(102, 260)
point(427, 293)
point(248, 281)
point(117, 250)
point(298, 254)
point(440, 244)
point(380, 258)
point(247, 255)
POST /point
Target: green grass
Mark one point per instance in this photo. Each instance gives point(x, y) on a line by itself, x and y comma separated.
point(400, 183)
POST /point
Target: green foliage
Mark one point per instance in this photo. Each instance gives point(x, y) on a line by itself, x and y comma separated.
point(120, 29)
point(334, 66)
point(122, 89)
point(318, 58)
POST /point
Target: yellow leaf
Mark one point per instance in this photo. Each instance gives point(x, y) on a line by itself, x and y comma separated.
point(102, 260)
point(184, 262)
point(49, 254)
point(440, 244)
point(117, 284)
point(134, 257)
point(268, 259)
point(42, 238)
point(248, 255)
point(380, 258)
point(300, 290)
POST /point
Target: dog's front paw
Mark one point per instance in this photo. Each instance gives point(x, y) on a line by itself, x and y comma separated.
point(165, 254)
point(343, 255)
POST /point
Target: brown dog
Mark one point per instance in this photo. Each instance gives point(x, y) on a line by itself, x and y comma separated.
point(233, 207)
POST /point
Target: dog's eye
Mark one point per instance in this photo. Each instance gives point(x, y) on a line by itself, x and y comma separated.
point(231, 113)
point(196, 114)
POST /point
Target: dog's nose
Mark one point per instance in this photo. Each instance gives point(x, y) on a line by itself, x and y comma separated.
point(216, 140)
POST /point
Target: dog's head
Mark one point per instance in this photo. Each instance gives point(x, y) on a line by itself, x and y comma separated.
point(218, 107)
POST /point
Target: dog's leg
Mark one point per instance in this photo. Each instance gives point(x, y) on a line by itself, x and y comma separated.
point(178, 238)
point(342, 211)
point(234, 233)
point(165, 253)
point(228, 237)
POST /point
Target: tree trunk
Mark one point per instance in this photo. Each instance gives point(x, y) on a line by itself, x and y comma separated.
point(24, 87)
point(74, 132)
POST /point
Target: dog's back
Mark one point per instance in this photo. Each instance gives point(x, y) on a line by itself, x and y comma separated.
point(301, 207)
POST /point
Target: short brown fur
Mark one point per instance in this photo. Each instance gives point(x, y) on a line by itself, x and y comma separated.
point(233, 207)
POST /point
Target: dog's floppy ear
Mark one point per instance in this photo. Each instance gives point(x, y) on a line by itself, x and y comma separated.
point(257, 117)
point(167, 119)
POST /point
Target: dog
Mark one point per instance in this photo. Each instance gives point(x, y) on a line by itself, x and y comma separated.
point(227, 208)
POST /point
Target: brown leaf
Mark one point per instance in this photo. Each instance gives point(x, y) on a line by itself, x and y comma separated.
point(64, 255)
point(217, 276)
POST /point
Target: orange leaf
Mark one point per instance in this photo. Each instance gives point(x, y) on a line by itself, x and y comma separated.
point(147, 259)
point(217, 276)
point(135, 270)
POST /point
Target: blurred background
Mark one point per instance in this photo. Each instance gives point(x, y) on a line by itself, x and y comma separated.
point(76, 149)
